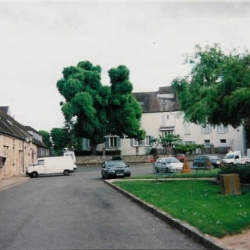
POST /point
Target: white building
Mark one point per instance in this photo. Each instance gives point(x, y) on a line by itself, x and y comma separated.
point(161, 116)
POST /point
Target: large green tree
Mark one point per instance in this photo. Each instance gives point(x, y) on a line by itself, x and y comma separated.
point(124, 112)
point(92, 105)
point(217, 90)
point(86, 100)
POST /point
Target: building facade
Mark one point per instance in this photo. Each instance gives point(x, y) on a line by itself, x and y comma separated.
point(20, 145)
point(161, 116)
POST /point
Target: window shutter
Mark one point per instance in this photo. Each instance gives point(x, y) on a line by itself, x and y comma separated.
point(118, 142)
point(106, 142)
point(131, 142)
point(84, 143)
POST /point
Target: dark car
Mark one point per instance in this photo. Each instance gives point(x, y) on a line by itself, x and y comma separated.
point(181, 157)
point(206, 160)
point(215, 160)
point(115, 168)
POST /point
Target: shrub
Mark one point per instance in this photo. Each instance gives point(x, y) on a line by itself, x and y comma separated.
point(242, 170)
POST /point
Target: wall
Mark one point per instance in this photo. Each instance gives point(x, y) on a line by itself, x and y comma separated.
point(98, 160)
point(152, 123)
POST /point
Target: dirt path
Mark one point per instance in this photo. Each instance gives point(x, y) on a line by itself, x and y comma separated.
point(239, 241)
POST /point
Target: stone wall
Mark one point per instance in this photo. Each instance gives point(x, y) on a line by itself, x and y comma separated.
point(98, 160)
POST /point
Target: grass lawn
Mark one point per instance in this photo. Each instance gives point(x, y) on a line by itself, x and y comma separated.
point(198, 202)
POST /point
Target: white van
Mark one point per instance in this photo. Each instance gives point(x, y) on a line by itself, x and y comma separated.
point(72, 155)
point(51, 165)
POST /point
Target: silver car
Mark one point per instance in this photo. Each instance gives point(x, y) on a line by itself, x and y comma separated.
point(169, 164)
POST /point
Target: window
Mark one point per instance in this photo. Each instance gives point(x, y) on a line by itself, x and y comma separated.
point(206, 129)
point(207, 143)
point(222, 129)
point(41, 162)
point(164, 119)
point(2, 161)
point(166, 132)
point(6, 150)
point(113, 142)
point(86, 143)
point(145, 142)
point(187, 128)
point(135, 143)
point(223, 141)
point(148, 140)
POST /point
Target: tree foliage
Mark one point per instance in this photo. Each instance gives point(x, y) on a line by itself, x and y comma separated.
point(46, 138)
point(124, 111)
point(217, 90)
point(167, 142)
point(99, 110)
point(60, 138)
point(86, 100)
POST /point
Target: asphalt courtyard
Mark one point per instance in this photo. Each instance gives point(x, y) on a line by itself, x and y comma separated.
point(232, 242)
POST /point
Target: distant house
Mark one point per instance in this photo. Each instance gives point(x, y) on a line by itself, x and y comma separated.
point(161, 116)
point(20, 145)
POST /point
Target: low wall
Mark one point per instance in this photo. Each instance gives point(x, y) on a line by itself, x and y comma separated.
point(98, 160)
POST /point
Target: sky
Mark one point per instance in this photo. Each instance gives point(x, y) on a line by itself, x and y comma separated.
point(151, 38)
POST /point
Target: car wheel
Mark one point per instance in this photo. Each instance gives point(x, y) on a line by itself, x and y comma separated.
point(34, 175)
point(156, 170)
point(66, 172)
point(106, 176)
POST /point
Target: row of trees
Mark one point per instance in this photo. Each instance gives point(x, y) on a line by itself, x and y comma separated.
point(59, 139)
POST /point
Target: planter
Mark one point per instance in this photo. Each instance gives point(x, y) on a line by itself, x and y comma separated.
point(230, 184)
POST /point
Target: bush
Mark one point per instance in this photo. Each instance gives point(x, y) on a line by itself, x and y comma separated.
point(153, 151)
point(242, 170)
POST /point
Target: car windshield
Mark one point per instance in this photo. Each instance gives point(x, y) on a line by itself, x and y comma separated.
point(116, 163)
point(214, 157)
point(171, 160)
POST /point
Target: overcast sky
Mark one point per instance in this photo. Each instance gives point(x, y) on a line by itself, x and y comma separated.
point(151, 38)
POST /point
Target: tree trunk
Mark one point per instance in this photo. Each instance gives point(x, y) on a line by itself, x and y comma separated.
point(93, 147)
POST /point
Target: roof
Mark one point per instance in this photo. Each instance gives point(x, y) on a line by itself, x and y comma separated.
point(9, 126)
point(5, 109)
point(165, 99)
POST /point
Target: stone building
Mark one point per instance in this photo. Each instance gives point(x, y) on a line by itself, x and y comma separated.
point(20, 145)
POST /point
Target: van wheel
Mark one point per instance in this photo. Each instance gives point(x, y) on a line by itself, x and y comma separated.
point(34, 175)
point(66, 172)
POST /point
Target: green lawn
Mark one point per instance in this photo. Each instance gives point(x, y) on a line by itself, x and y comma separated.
point(198, 202)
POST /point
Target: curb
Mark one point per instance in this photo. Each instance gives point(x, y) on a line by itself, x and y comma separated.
point(185, 228)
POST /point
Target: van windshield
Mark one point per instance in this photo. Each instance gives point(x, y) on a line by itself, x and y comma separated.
point(229, 157)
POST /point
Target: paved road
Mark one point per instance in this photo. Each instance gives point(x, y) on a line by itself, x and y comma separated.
point(80, 211)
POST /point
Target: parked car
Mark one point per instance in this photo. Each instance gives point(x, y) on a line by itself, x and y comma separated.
point(181, 157)
point(115, 168)
point(235, 157)
point(168, 163)
point(204, 161)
